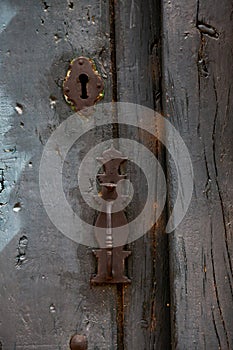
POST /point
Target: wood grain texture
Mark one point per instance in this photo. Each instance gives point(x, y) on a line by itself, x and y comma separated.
point(198, 86)
point(145, 302)
point(45, 278)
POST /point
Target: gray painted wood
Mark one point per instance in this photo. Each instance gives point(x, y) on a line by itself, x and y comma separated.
point(45, 294)
point(146, 301)
point(45, 291)
point(198, 87)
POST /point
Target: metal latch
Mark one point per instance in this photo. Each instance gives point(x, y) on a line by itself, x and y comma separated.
point(111, 257)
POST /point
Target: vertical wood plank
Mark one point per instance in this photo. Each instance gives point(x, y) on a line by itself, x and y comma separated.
point(45, 291)
point(198, 83)
point(145, 320)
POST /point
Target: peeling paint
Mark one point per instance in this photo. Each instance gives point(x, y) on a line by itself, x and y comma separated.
point(12, 169)
point(6, 15)
point(6, 107)
point(22, 248)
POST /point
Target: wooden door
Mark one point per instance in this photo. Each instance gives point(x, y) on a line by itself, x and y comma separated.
point(172, 57)
point(198, 79)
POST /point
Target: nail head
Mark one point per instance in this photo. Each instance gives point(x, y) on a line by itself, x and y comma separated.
point(78, 342)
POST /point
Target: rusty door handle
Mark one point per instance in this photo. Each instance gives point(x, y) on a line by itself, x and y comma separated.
point(111, 257)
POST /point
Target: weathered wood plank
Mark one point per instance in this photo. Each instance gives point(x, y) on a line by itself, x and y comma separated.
point(45, 292)
point(198, 81)
point(146, 313)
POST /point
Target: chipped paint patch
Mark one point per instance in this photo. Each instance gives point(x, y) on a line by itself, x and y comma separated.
point(6, 14)
point(10, 224)
point(6, 109)
point(12, 165)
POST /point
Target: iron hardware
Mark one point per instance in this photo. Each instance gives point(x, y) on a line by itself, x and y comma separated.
point(83, 86)
point(78, 342)
point(111, 257)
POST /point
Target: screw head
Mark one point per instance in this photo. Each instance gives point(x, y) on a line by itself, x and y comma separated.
point(80, 61)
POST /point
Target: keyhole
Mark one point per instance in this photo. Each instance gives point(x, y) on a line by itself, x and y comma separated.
point(83, 78)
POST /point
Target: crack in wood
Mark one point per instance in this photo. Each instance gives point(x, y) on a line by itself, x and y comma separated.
point(115, 134)
point(216, 289)
point(208, 30)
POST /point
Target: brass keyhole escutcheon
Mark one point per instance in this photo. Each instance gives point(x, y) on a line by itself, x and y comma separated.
point(83, 86)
